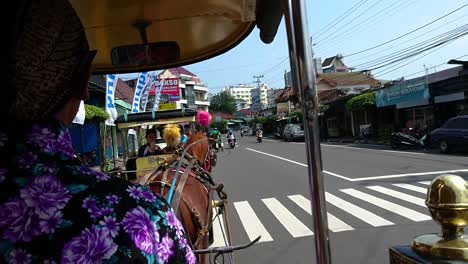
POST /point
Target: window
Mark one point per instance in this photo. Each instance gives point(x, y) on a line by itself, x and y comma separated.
point(458, 123)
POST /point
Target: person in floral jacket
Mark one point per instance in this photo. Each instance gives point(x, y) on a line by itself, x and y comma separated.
point(52, 208)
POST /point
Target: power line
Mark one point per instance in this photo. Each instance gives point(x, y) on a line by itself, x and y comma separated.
point(409, 55)
point(340, 18)
point(416, 37)
point(399, 66)
point(330, 43)
point(414, 73)
point(421, 50)
point(406, 34)
point(417, 46)
point(277, 65)
point(350, 22)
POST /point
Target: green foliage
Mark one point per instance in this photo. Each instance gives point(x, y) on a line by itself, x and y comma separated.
point(295, 114)
point(361, 102)
point(94, 113)
point(268, 123)
point(323, 108)
point(219, 125)
point(223, 102)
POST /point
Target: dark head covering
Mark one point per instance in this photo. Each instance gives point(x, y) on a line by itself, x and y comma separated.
point(52, 54)
point(149, 131)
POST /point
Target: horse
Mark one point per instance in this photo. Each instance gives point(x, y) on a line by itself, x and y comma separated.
point(194, 206)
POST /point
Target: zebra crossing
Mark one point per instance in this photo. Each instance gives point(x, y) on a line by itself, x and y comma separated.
point(399, 200)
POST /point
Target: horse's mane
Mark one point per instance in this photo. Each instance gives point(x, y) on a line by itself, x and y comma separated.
point(198, 150)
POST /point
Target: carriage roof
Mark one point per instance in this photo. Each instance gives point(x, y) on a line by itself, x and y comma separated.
point(199, 29)
point(156, 118)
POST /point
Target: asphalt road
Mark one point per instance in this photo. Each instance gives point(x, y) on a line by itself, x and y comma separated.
point(375, 199)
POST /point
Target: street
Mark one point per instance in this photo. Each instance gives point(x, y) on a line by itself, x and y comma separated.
point(375, 199)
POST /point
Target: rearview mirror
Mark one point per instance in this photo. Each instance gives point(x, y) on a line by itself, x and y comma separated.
point(146, 54)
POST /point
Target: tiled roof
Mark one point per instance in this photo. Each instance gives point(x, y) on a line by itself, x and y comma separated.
point(124, 92)
point(350, 78)
point(246, 111)
point(330, 95)
point(224, 116)
point(285, 95)
point(328, 61)
point(181, 70)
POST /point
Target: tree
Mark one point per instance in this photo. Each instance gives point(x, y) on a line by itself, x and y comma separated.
point(223, 102)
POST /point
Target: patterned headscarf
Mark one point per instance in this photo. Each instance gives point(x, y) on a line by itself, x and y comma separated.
point(52, 59)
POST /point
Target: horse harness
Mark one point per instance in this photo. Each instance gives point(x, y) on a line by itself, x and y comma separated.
point(190, 167)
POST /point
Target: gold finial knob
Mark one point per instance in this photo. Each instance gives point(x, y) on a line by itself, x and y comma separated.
point(447, 200)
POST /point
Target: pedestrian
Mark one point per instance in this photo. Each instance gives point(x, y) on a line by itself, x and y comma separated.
point(53, 209)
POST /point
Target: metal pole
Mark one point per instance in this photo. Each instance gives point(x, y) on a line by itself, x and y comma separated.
point(301, 60)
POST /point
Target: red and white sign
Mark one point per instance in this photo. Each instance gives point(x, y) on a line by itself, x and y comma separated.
point(170, 87)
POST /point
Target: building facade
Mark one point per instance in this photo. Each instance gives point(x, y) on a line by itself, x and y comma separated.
point(187, 90)
point(241, 92)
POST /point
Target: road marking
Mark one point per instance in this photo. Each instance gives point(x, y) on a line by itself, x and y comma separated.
point(298, 163)
point(270, 140)
point(364, 178)
point(399, 195)
point(425, 182)
point(382, 150)
point(218, 232)
point(251, 223)
point(278, 157)
point(334, 224)
point(337, 175)
point(295, 227)
point(411, 187)
point(408, 175)
point(392, 207)
point(356, 211)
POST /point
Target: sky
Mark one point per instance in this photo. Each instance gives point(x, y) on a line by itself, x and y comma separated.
point(372, 22)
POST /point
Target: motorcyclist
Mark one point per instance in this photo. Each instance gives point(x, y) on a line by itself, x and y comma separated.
point(259, 135)
point(216, 137)
point(231, 137)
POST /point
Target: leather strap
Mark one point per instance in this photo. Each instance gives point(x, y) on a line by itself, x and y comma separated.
point(180, 186)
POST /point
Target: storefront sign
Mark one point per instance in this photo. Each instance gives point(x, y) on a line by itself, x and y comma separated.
point(167, 106)
point(282, 107)
point(170, 88)
point(409, 91)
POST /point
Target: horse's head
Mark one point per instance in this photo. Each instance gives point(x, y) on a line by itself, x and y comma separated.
point(199, 148)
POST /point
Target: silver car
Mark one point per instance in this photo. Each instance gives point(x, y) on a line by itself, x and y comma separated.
point(293, 132)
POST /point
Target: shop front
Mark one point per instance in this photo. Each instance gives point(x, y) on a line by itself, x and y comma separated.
point(450, 97)
point(411, 103)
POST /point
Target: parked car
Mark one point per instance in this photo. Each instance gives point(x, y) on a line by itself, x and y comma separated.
point(451, 135)
point(293, 132)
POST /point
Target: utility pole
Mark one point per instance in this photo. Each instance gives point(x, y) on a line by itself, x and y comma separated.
point(258, 81)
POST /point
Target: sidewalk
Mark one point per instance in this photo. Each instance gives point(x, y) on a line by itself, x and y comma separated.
point(357, 141)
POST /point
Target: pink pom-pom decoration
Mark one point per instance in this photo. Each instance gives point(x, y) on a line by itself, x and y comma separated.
point(203, 118)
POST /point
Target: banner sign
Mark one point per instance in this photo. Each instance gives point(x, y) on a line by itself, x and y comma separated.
point(111, 83)
point(141, 83)
point(144, 97)
point(167, 106)
point(408, 91)
point(170, 87)
point(157, 96)
point(81, 115)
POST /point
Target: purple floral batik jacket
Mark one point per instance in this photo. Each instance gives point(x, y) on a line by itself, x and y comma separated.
point(53, 210)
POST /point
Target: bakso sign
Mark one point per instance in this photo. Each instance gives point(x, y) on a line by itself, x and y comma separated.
point(170, 86)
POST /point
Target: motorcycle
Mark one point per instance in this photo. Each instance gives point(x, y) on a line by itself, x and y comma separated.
point(259, 137)
point(409, 139)
point(232, 143)
point(219, 145)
